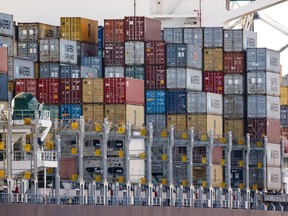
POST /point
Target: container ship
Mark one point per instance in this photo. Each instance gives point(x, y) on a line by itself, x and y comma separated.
point(133, 116)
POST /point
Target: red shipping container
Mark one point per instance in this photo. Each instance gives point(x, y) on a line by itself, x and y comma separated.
point(234, 62)
point(155, 77)
point(124, 91)
point(70, 91)
point(26, 85)
point(138, 28)
point(48, 91)
point(68, 166)
point(259, 127)
point(217, 154)
point(114, 54)
point(155, 53)
point(3, 60)
point(213, 82)
point(114, 31)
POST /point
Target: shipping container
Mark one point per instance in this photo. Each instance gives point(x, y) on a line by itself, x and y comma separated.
point(234, 62)
point(68, 167)
point(79, 29)
point(136, 72)
point(176, 55)
point(214, 82)
point(8, 43)
point(134, 53)
point(68, 52)
point(237, 177)
point(256, 179)
point(155, 53)
point(196, 102)
point(142, 28)
point(10, 68)
point(236, 126)
point(158, 121)
point(28, 49)
point(234, 107)
point(284, 116)
point(238, 40)
point(114, 31)
point(48, 91)
point(120, 114)
point(36, 31)
point(26, 85)
point(213, 59)
point(114, 54)
point(283, 95)
point(249, 39)
point(263, 59)
point(23, 68)
point(88, 49)
point(124, 90)
point(274, 179)
point(155, 76)
point(233, 84)
point(70, 91)
point(193, 36)
point(70, 111)
point(49, 50)
point(194, 56)
point(274, 155)
point(93, 113)
point(49, 70)
point(173, 35)
point(204, 123)
point(114, 72)
point(89, 72)
point(100, 37)
point(54, 111)
point(259, 127)
point(92, 62)
point(3, 60)
point(92, 90)
point(259, 106)
point(199, 175)
point(6, 24)
point(213, 37)
point(155, 102)
point(176, 101)
point(178, 121)
point(3, 87)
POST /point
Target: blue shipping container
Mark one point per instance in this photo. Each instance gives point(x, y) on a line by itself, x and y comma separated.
point(100, 37)
point(3, 87)
point(284, 116)
point(176, 101)
point(155, 101)
point(70, 111)
point(176, 55)
point(93, 62)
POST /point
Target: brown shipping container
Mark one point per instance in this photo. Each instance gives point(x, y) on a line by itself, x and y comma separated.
point(260, 127)
point(120, 114)
point(236, 126)
point(36, 70)
point(234, 62)
point(114, 31)
point(155, 53)
point(138, 28)
point(68, 166)
point(213, 59)
point(36, 31)
point(214, 82)
point(26, 85)
point(79, 29)
point(93, 113)
point(124, 91)
point(199, 175)
point(283, 95)
point(155, 77)
point(70, 91)
point(3, 60)
point(114, 54)
point(178, 121)
point(92, 90)
point(204, 123)
point(48, 91)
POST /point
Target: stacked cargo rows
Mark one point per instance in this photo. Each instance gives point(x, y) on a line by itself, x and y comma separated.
point(284, 108)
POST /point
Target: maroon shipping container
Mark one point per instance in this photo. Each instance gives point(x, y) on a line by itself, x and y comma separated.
point(138, 28)
point(124, 91)
point(155, 77)
point(26, 85)
point(155, 53)
point(214, 82)
point(3, 60)
point(114, 31)
point(259, 127)
point(70, 91)
point(114, 54)
point(48, 91)
point(284, 134)
point(234, 62)
point(68, 167)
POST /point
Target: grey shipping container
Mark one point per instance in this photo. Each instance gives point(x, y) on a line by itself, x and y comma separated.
point(158, 120)
point(28, 49)
point(196, 102)
point(89, 72)
point(6, 24)
point(194, 56)
point(193, 36)
point(176, 55)
point(3, 87)
point(137, 72)
point(213, 37)
point(68, 51)
point(72, 71)
point(49, 50)
point(23, 68)
point(36, 31)
point(234, 106)
point(173, 35)
point(233, 84)
point(134, 53)
point(49, 70)
point(176, 78)
point(7, 42)
point(114, 71)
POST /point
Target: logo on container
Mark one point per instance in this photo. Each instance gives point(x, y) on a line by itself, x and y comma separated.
point(275, 154)
point(69, 52)
point(25, 71)
point(5, 24)
point(251, 42)
point(274, 107)
point(215, 104)
point(195, 79)
point(274, 85)
point(273, 61)
point(275, 178)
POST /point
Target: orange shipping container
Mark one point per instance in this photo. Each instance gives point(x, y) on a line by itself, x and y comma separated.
point(92, 90)
point(93, 113)
point(79, 29)
point(284, 95)
point(3, 60)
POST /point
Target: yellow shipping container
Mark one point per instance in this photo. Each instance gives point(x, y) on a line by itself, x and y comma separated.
point(93, 90)
point(79, 29)
point(93, 112)
point(204, 123)
point(213, 59)
point(120, 114)
point(36, 70)
point(236, 126)
point(284, 95)
point(199, 175)
point(178, 121)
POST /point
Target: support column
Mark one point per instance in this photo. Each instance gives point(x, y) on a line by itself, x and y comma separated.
point(228, 169)
point(247, 171)
point(190, 167)
point(127, 151)
point(9, 147)
point(36, 152)
point(104, 160)
point(265, 165)
point(149, 165)
point(209, 169)
point(81, 159)
point(57, 169)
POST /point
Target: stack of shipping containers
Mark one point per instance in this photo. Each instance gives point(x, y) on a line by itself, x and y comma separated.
point(284, 109)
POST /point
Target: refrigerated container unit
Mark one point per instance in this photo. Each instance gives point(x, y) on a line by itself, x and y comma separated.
point(283, 95)
point(213, 59)
point(234, 62)
point(194, 57)
point(114, 30)
point(178, 121)
point(4, 87)
point(134, 53)
point(70, 91)
point(28, 49)
point(49, 70)
point(136, 72)
point(155, 77)
point(213, 82)
point(234, 107)
point(26, 85)
point(70, 111)
point(114, 72)
point(155, 53)
point(155, 102)
point(263, 59)
point(93, 90)
point(138, 28)
point(114, 54)
point(54, 111)
point(48, 90)
point(193, 35)
point(158, 121)
point(176, 55)
point(213, 37)
point(284, 116)
point(173, 35)
point(23, 68)
point(176, 101)
point(6, 29)
point(234, 84)
point(79, 29)
point(4, 60)
point(100, 37)
point(7, 42)
point(93, 113)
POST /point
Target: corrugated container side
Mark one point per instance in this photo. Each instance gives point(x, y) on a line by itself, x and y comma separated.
point(155, 53)
point(213, 37)
point(194, 56)
point(284, 116)
point(70, 91)
point(89, 72)
point(283, 95)
point(6, 27)
point(214, 82)
point(176, 78)
point(114, 54)
point(114, 72)
point(155, 102)
point(23, 68)
point(93, 112)
point(3, 59)
point(155, 77)
point(88, 49)
point(274, 179)
point(273, 155)
point(8, 43)
point(234, 62)
point(233, 84)
point(114, 31)
point(36, 31)
point(237, 126)
point(176, 55)
point(26, 85)
point(178, 121)
point(196, 102)
point(134, 53)
point(214, 104)
point(173, 35)
point(68, 166)
point(3, 87)
point(176, 101)
point(42, 91)
point(70, 111)
point(136, 72)
point(234, 106)
point(249, 39)
point(98, 90)
point(158, 121)
point(193, 36)
point(100, 37)
point(213, 59)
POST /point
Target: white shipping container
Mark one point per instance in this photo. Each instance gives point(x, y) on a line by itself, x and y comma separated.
point(137, 170)
point(233, 84)
point(134, 53)
point(6, 24)
point(249, 39)
point(196, 102)
point(194, 79)
point(7, 42)
point(114, 71)
point(273, 107)
point(273, 155)
point(194, 56)
point(273, 84)
point(214, 104)
point(274, 179)
point(68, 51)
point(136, 146)
point(23, 68)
